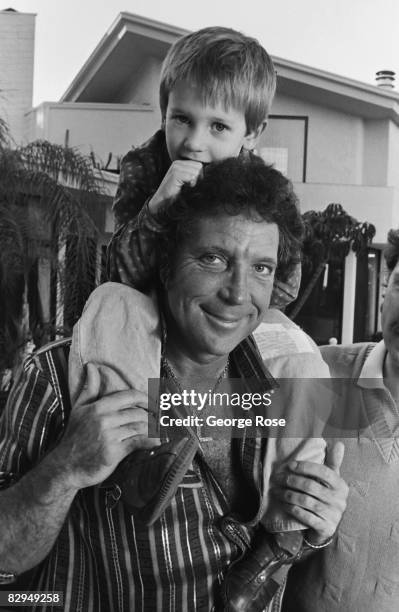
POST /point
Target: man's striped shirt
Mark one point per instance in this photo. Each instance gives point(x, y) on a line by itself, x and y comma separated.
point(103, 559)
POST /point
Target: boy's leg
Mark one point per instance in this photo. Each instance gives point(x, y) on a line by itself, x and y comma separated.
point(253, 580)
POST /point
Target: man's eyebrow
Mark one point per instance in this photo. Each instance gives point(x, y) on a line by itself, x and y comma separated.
point(216, 248)
point(212, 247)
point(262, 258)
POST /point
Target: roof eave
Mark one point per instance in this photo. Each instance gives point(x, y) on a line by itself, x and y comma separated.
point(336, 91)
point(125, 22)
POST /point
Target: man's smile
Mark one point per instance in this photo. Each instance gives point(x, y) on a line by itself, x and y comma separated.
point(226, 320)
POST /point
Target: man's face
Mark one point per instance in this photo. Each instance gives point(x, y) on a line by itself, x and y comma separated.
point(390, 316)
point(203, 133)
point(220, 287)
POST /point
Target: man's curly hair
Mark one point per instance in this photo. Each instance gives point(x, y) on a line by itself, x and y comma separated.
point(234, 187)
point(391, 253)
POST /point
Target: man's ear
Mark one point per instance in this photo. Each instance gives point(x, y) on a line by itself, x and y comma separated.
point(251, 139)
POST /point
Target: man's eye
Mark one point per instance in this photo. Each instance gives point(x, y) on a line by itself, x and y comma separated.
point(263, 269)
point(219, 127)
point(212, 260)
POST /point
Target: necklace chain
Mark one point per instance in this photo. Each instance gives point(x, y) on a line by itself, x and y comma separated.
point(171, 373)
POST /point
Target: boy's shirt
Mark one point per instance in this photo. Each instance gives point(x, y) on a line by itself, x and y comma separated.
point(141, 173)
point(131, 253)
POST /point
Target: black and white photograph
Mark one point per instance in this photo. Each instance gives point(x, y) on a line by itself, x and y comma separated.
point(199, 306)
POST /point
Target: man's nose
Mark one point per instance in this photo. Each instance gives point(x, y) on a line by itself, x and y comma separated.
point(235, 288)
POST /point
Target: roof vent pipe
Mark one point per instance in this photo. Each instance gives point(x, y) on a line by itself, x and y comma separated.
point(385, 79)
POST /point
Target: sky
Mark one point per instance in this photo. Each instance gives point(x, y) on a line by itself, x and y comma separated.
point(353, 38)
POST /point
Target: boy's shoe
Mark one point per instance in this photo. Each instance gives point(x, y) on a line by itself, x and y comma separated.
point(149, 478)
point(250, 583)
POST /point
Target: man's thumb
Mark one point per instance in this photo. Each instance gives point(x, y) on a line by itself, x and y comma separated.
point(335, 455)
point(91, 387)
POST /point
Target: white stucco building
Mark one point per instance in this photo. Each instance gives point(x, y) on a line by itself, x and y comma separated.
point(337, 139)
point(17, 44)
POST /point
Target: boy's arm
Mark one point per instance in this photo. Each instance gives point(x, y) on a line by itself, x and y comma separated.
point(131, 252)
point(130, 257)
point(142, 170)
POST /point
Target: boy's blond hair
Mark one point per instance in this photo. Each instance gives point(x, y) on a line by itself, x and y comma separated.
point(227, 67)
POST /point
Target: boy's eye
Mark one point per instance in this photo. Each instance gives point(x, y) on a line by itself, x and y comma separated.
point(219, 127)
point(181, 118)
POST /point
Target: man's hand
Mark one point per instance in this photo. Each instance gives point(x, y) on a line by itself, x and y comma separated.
point(180, 172)
point(101, 432)
point(315, 494)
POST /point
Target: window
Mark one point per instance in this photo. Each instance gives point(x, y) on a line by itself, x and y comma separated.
point(284, 143)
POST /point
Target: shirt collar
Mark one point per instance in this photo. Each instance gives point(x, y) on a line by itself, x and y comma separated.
point(250, 366)
point(372, 372)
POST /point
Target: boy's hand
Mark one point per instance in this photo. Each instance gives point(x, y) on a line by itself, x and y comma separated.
point(181, 171)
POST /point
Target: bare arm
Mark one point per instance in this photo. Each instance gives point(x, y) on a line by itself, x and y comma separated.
point(32, 513)
point(98, 436)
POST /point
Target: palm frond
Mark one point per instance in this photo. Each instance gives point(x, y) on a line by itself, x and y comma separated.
point(65, 165)
point(330, 234)
point(47, 193)
point(4, 134)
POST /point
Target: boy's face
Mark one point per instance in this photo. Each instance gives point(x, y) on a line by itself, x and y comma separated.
point(204, 133)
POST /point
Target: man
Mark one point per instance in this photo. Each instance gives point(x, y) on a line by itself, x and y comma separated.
point(225, 238)
point(360, 572)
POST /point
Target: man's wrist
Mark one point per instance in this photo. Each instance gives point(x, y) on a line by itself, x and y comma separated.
point(318, 545)
point(6, 577)
point(58, 468)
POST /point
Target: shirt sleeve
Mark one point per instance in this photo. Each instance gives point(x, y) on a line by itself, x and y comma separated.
point(131, 253)
point(30, 425)
point(134, 187)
